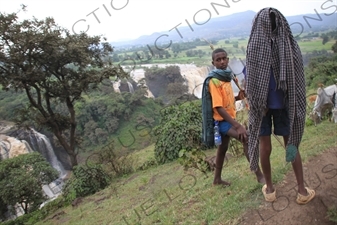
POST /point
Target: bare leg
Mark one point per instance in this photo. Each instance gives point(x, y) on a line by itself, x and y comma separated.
point(265, 151)
point(258, 173)
point(220, 157)
point(298, 170)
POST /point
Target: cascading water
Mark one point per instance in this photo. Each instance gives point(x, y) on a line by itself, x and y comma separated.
point(116, 85)
point(41, 143)
point(21, 144)
point(194, 77)
point(131, 90)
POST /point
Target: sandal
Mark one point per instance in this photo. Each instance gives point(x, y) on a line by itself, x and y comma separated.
point(304, 199)
point(271, 197)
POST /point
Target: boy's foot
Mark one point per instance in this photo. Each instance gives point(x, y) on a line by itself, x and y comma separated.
point(221, 182)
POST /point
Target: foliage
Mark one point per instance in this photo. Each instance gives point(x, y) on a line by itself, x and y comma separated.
point(10, 101)
point(53, 67)
point(86, 180)
point(195, 53)
point(332, 214)
point(148, 164)
point(38, 215)
point(21, 179)
point(166, 189)
point(193, 159)
point(334, 47)
point(180, 128)
point(322, 70)
point(97, 172)
point(325, 39)
point(3, 209)
point(114, 164)
point(165, 82)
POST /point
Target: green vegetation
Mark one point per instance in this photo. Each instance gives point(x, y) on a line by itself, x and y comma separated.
point(332, 214)
point(236, 47)
point(54, 68)
point(179, 129)
point(85, 181)
point(167, 194)
point(21, 179)
point(321, 70)
point(121, 170)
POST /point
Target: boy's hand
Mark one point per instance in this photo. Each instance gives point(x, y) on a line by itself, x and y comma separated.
point(241, 95)
point(242, 134)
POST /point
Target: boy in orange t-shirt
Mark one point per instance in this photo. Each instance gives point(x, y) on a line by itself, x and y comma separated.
point(223, 104)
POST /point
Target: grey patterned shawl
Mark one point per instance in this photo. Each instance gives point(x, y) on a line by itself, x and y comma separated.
point(279, 50)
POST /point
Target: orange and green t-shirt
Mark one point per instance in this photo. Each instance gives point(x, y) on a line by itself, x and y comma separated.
point(222, 95)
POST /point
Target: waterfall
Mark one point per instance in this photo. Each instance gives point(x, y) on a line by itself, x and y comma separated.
point(27, 141)
point(194, 77)
point(41, 143)
point(137, 75)
point(131, 90)
point(115, 85)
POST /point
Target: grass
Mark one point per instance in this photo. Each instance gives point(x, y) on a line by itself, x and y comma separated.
point(167, 194)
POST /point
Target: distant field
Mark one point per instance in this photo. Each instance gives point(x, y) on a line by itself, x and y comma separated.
point(237, 52)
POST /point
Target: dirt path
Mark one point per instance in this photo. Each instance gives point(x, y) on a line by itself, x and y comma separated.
point(320, 173)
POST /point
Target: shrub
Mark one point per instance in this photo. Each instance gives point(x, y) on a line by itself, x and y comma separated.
point(86, 180)
point(180, 128)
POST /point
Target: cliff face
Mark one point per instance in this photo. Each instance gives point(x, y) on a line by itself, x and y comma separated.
point(14, 142)
point(11, 147)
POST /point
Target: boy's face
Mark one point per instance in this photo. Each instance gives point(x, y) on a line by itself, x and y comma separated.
point(220, 60)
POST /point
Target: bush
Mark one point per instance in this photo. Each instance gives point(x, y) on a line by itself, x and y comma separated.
point(114, 164)
point(180, 128)
point(308, 122)
point(148, 164)
point(86, 180)
point(38, 215)
point(193, 159)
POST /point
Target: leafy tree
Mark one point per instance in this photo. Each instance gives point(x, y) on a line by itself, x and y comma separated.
point(322, 69)
point(52, 66)
point(21, 180)
point(176, 89)
point(334, 47)
point(325, 39)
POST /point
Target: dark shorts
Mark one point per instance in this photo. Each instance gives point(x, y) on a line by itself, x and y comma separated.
point(277, 117)
point(224, 127)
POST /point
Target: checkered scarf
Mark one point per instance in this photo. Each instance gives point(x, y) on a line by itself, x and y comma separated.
point(278, 50)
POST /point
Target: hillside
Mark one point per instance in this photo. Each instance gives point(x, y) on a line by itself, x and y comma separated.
point(235, 25)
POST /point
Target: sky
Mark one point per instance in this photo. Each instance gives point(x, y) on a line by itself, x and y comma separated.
point(128, 19)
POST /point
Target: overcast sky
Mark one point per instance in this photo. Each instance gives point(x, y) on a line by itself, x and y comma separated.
point(129, 19)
